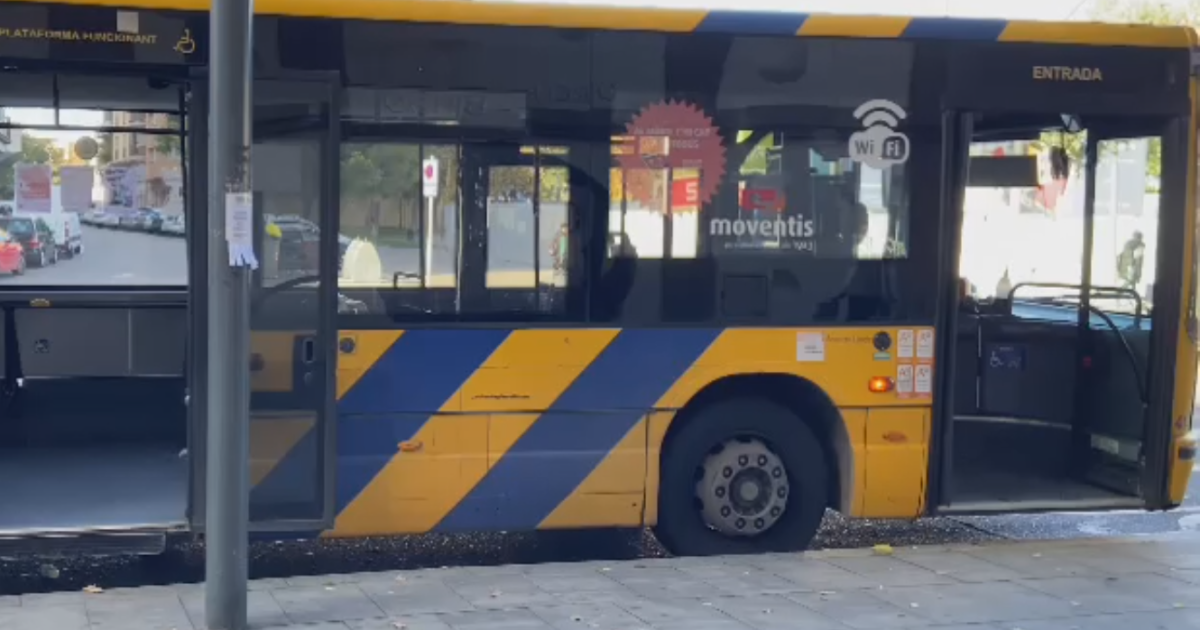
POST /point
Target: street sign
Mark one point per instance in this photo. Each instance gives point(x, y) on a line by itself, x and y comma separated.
point(429, 177)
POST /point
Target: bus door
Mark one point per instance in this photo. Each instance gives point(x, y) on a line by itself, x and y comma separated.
point(517, 202)
point(1064, 341)
point(293, 307)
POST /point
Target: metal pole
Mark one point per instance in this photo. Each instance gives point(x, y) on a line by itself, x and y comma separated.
point(227, 497)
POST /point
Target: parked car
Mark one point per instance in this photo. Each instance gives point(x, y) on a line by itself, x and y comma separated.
point(152, 220)
point(129, 219)
point(94, 216)
point(108, 219)
point(296, 229)
point(35, 237)
point(12, 255)
point(173, 225)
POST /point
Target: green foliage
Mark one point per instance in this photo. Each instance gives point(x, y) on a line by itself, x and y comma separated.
point(1158, 13)
point(34, 150)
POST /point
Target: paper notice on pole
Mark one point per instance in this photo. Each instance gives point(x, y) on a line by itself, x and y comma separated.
point(33, 187)
point(75, 187)
point(239, 229)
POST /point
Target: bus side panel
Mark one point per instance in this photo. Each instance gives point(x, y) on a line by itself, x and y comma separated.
point(1183, 444)
point(459, 430)
point(899, 437)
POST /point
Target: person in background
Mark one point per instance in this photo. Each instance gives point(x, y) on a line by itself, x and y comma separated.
point(1129, 261)
point(558, 251)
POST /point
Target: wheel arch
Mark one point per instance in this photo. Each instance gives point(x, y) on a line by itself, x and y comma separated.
point(811, 404)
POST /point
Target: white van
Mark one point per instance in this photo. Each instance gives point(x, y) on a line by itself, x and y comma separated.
point(68, 232)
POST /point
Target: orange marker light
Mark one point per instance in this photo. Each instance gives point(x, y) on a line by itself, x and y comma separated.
point(880, 384)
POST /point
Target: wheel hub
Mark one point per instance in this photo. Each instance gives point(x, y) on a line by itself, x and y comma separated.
point(742, 488)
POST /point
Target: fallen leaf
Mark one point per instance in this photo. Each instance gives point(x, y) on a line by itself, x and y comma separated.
point(883, 550)
point(92, 589)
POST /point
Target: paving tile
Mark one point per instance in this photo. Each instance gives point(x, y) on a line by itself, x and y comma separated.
point(310, 604)
point(74, 599)
point(890, 571)
point(711, 624)
point(1165, 591)
point(1097, 595)
point(1161, 620)
point(263, 610)
point(1033, 564)
point(495, 620)
point(666, 611)
point(499, 591)
point(412, 597)
point(859, 609)
point(320, 625)
point(43, 618)
point(960, 566)
point(976, 603)
point(405, 622)
point(152, 610)
point(666, 583)
point(587, 617)
point(332, 579)
point(814, 575)
point(772, 612)
point(618, 596)
point(741, 580)
point(574, 583)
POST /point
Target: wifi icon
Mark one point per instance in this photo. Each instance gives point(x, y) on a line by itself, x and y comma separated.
point(880, 112)
point(878, 144)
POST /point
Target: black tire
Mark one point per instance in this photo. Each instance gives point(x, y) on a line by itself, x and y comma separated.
point(20, 270)
point(42, 260)
point(681, 527)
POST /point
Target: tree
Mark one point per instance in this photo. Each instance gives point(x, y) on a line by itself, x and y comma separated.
point(1154, 12)
point(34, 150)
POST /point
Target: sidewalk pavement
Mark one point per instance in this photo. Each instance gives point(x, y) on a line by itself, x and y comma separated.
point(1117, 584)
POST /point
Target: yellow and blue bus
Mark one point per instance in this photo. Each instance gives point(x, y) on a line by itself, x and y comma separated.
point(531, 267)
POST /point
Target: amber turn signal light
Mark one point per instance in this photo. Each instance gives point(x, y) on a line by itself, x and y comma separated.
point(880, 384)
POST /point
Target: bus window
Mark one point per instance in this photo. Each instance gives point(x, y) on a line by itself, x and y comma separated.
point(1024, 234)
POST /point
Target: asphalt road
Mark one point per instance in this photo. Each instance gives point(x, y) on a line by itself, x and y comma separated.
point(112, 257)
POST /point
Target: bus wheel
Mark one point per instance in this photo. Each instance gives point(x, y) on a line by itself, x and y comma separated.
point(742, 476)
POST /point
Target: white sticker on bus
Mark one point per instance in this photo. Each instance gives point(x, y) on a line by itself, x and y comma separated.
point(904, 344)
point(925, 344)
point(924, 380)
point(904, 380)
point(810, 347)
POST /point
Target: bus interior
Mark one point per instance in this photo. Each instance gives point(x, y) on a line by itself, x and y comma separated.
point(93, 409)
point(1052, 336)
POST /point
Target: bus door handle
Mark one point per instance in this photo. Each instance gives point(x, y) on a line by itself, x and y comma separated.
point(308, 351)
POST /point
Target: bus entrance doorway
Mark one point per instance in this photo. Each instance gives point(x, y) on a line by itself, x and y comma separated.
point(1055, 330)
point(93, 304)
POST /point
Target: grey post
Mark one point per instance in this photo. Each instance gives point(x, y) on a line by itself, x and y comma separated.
point(227, 500)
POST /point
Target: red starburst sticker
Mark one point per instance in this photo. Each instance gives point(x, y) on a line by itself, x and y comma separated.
point(675, 136)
